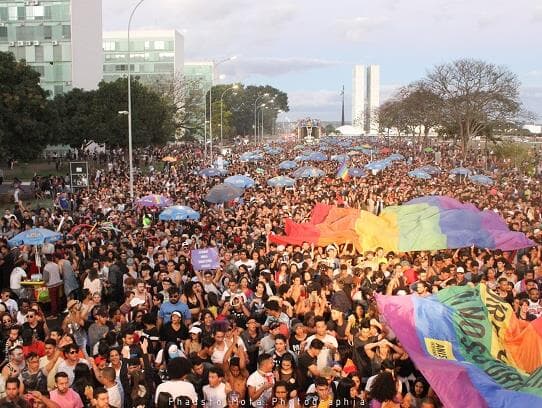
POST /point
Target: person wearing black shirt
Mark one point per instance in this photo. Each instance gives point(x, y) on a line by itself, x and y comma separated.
point(175, 331)
point(307, 364)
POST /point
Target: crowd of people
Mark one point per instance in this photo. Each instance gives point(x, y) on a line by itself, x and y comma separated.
point(126, 321)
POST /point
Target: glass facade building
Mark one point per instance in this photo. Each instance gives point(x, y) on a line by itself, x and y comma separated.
point(203, 71)
point(61, 39)
point(153, 54)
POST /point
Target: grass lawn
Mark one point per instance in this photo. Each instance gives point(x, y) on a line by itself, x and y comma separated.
point(26, 171)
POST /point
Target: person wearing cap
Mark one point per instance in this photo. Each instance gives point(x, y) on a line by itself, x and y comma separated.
point(172, 305)
point(174, 331)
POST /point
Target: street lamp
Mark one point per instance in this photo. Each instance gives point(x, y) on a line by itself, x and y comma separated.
point(211, 105)
point(130, 159)
point(265, 106)
point(234, 87)
point(256, 117)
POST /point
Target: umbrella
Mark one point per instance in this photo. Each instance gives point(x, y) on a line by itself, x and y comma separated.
point(211, 172)
point(35, 236)
point(169, 159)
point(299, 147)
point(281, 181)
point(385, 150)
point(307, 172)
point(154, 200)
point(481, 179)
point(179, 213)
point(377, 165)
point(367, 151)
point(301, 158)
point(223, 192)
point(428, 150)
point(240, 181)
point(251, 156)
point(417, 173)
point(432, 170)
point(273, 150)
point(396, 156)
point(317, 156)
point(462, 171)
point(353, 153)
point(287, 165)
point(356, 172)
point(339, 157)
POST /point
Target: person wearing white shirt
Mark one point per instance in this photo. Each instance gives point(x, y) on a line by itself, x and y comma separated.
point(12, 306)
point(326, 357)
point(17, 275)
point(176, 386)
point(215, 392)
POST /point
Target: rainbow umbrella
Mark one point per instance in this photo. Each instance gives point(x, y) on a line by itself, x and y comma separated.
point(154, 200)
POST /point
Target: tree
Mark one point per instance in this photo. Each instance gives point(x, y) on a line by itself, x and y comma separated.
point(24, 110)
point(185, 95)
point(473, 95)
point(94, 115)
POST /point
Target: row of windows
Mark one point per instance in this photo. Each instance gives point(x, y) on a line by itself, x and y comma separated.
point(140, 56)
point(138, 68)
point(55, 12)
point(138, 45)
point(33, 33)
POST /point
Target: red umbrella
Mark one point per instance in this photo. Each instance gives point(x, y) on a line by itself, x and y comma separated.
point(385, 150)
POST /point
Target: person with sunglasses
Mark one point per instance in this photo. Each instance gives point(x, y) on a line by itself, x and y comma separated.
point(71, 359)
point(16, 363)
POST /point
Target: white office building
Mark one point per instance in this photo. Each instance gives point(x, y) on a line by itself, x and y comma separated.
point(365, 97)
point(60, 39)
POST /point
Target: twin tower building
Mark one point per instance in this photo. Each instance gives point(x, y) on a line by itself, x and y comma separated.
point(366, 98)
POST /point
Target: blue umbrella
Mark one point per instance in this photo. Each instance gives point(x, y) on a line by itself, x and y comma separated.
point(317, 156)
point(301, 158)
point(420, 174)
point(307, 172)
point(273, 150)
point(356, 172)
point(396, 156)
point(35, 236)
point(211, 172)
point(367, 151)
point(432, 170)
point(287, 165)
point(154, 200)
point(339, 157)
point(325, 148)
point(223, 192)
point(240, 181)
point(281, 181)
point(461, 171)
point(377, 165)
point(179, 213)
point(251, 156)
point(481, 179)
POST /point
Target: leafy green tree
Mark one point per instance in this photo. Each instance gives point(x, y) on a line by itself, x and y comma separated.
point(24, 111)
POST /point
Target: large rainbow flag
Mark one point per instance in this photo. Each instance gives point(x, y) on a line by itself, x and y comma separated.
point(470, 346)
point(425, 223)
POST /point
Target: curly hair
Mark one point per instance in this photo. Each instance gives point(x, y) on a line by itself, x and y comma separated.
point(383, 387)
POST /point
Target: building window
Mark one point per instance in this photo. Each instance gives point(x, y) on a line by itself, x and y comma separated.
point(40, 69)
point(66, 32)
point(38, 50)
point(163, 68)
point(47, 32)
point(4, 14)
point(109, 46)
point(12, 13)
point(58, 90)
point(159, 45)
point(3, 33)
point(21, 15)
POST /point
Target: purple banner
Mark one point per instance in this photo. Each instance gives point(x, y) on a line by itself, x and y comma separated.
point(204, 259)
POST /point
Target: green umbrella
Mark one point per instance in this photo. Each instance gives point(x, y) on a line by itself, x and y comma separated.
point(428, 150)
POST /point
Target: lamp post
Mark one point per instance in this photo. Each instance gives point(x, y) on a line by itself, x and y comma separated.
point(257, 126)
point(211, 106)
point(221, 110)
point(256, 117)
point(265, 106)
point(130, 154)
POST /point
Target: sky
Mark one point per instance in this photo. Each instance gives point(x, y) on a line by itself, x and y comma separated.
point(307, 48)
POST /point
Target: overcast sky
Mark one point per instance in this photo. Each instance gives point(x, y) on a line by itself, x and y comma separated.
point(307, 48)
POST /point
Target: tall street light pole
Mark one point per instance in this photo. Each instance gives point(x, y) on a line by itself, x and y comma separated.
point(130, 153)
point(256, 117)
point(211, 105)
point(234, 87)
point(265, 106)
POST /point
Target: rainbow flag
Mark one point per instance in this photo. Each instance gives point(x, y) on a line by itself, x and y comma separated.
point(470, 346)
point(425, 223)
point(342, 173)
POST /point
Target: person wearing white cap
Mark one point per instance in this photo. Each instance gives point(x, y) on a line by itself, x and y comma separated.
point(193, 343)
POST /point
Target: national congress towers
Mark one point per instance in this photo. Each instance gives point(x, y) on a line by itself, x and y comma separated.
point(365, 97)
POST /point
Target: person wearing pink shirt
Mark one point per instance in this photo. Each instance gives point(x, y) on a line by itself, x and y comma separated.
point(63, 395)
